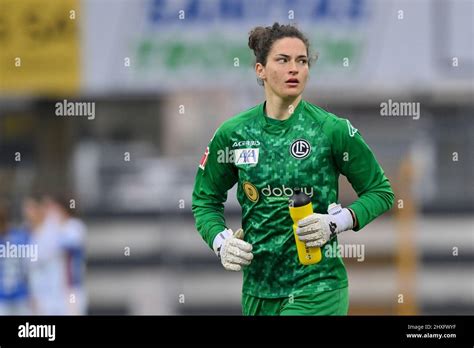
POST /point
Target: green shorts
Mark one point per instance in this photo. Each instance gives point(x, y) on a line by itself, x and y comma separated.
point(334, 302)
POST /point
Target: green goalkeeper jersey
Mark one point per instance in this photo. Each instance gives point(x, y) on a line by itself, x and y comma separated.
point(268, 159)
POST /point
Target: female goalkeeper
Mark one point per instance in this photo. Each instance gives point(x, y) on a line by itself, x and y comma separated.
point(269, 150)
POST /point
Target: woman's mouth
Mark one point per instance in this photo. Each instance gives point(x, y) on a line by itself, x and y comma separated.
point(292, 82)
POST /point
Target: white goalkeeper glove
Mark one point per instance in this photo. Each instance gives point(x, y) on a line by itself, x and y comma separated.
point(316, 230)
point(232, 250)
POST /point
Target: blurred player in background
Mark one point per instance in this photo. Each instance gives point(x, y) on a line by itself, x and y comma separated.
point(72, 233)
point(269, 150)
point(14, 294)
point(48, 274)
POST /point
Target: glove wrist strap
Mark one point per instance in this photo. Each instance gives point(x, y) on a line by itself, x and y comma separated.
point(219, 240)
point(342, 219)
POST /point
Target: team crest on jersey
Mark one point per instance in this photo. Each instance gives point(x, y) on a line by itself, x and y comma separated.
point(300, 148)
point(202, 162)
point(246, 156)
point(251, 191)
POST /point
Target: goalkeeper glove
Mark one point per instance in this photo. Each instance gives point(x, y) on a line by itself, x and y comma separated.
point(316, 230)
point(232, 250)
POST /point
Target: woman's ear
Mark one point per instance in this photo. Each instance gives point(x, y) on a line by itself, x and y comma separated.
point(260, 70)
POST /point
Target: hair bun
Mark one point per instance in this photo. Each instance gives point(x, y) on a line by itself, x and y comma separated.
point(255, 37)
point(261, 39)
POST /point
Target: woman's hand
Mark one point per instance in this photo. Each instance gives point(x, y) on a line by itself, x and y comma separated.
point(233, 251)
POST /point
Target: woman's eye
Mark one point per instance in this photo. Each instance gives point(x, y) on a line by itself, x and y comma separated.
point(281, 60)
point(303, 61)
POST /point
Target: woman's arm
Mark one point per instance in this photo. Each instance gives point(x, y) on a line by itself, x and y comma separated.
point(215, 176)
point(356, 161)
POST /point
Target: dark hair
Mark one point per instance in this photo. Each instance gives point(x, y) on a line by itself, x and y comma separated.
point(261, 39)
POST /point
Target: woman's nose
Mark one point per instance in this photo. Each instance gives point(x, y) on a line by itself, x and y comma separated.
point(293, 67)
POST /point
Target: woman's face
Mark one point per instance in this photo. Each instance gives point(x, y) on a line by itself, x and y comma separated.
point(286, 72)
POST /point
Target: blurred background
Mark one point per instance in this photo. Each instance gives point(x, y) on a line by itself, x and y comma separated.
point(157, 77)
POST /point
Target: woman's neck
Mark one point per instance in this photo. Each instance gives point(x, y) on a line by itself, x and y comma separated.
point(280, 109)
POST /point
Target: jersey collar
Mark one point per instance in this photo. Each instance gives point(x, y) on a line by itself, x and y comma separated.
point(272, 125)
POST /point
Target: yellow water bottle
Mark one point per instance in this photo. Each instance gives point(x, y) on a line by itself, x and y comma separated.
point(300, 207)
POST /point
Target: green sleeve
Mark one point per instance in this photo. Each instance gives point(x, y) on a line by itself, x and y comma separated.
point(355, 160)
point(215, 176)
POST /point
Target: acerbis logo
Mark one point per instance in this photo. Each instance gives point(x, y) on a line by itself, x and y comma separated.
point(284, 191)
point(250, 191)
point(246, 143)
point(300, 149)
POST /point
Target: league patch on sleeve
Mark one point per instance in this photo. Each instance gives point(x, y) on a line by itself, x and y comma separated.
point(202, 163)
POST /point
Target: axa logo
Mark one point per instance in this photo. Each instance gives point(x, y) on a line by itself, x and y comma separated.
point(280, 191)
point(238, 156)
point(246, 156)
